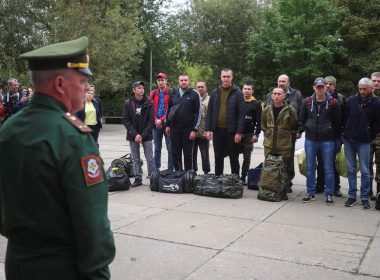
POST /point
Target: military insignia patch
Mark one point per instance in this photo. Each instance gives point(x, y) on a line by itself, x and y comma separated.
point(92, 170)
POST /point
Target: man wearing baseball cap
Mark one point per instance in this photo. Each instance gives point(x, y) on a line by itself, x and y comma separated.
point(55, 214)
point(138, 117)
point(320, 119)
point(160, 98)
point(320, 183)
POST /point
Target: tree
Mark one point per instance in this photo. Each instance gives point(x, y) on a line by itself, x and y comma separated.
point(213, 31)
point(360, 35)
point(297, 37)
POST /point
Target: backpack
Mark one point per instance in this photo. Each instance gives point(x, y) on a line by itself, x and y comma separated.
point(125, 163)
point(169, 181)
point(273, 179)
point(225, 186)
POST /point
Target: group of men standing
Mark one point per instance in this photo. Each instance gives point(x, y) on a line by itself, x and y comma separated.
point(233, 119)
point(189, 119)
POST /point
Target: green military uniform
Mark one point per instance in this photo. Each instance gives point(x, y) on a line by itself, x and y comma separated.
point(53, 195)
point(279, 136)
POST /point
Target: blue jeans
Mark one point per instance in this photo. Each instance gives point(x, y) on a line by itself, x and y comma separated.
point(352, 149)
point(328, 156)
point(158, 134)
point(148, 151)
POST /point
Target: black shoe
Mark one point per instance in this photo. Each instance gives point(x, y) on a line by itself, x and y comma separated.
point(308, 198)
point(243, 180)
point(365, 204)
point(329, 200)
point(338, 193)
point(136, 183)
point(377, 205)
point(373, 198)
point(350, 202)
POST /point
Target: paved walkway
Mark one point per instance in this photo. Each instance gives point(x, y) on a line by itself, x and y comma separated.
point(185, 236)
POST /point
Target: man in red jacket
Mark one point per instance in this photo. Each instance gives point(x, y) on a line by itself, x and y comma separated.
point(160, 98)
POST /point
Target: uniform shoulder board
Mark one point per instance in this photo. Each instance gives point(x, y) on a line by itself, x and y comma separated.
point(75, 121)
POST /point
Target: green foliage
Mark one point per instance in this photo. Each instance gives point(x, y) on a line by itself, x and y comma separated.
point(213, 32)
point(297, 37)
point(360, 31)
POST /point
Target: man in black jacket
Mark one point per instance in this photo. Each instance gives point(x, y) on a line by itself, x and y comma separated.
point(138, 118)
point(320, 119)
point(320, 184)
point(252, 127)
point(225, 119)
point(182, 122)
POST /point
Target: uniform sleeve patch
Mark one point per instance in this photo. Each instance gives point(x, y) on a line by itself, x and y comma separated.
point(92, 170)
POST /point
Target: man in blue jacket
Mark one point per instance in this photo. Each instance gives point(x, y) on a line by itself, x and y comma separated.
point(362, 124)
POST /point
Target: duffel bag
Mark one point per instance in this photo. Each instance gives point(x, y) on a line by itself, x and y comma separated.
point(254, 177)
point(117, 179)
point(226, 186)
point(169, 181)
point(125, 163)
point(273, 179)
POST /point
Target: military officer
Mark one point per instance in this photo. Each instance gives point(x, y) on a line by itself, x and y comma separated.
point(53, 192)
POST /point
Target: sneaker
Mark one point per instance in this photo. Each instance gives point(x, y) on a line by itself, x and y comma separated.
point(308, 198)
point(329, 200)
point(350, 202)
point(338, 193)
point(365, 204)
point(136, 183)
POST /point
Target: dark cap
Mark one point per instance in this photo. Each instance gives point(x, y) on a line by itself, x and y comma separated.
point(138, 83)
point(64, 55)
point(319, 81)
point(161, 75)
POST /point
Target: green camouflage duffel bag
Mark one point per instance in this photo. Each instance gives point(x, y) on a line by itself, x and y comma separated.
point(273, 179)
point(226, 186)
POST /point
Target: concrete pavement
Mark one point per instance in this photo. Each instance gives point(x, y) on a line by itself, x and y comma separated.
point(185, 236)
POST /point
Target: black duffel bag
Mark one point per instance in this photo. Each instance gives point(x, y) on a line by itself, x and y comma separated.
point(169, 181)
point(117, 179)
point(226, 186)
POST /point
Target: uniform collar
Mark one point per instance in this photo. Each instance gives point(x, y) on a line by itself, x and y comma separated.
point(45, 100)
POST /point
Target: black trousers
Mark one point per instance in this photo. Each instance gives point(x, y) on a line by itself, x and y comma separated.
point(95, 132)
point(224, 145)
point(179, 138)
point(203, 145)
point(246, 147)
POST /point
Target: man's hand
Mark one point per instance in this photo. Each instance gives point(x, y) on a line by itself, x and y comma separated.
point(138, 139)
point(298, 135)
point(193, 135)
point(237, 138)
point(158, 123)
point(208, 135)
point(167, 130)
point(254, 139)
